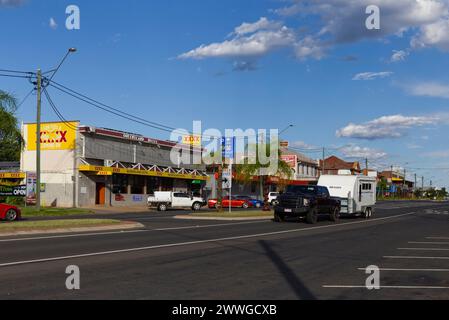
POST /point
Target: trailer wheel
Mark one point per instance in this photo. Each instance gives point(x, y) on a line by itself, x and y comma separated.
point(368, 213)
point(335, 214)
point(312, 216)
point(162, 207)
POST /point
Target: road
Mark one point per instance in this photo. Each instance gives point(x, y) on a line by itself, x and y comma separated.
point(186, 259)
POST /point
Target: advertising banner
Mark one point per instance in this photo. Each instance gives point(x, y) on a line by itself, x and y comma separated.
point(54, 136)
point(291, 160)
point(13, 191)
point(192, 140)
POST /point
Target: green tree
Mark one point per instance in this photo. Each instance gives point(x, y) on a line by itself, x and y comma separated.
point(247, 170)
point(10, 137)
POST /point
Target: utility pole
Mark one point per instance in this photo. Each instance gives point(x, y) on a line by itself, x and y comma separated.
point(415, 187)
point(366, 162)
point(324, 155)
point(422, 182)
point(38, 140)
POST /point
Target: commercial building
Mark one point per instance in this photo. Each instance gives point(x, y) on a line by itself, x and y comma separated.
point(83, 166)
point(334, 165)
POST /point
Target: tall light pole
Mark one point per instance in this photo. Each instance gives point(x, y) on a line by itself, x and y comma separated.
point(289, 126)
point(38, 124)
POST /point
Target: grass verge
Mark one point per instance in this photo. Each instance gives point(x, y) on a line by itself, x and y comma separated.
point(54, 224)
point(52, 212)
point(234, 214)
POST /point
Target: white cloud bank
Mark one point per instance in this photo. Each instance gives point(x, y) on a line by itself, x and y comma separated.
point(371, 75)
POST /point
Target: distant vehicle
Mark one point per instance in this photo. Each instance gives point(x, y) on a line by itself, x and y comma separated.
point(163, 200)
point(9, 213)
point(234, 202)
point(272, 196)
point(357, 194)
point(255, 203)
point(306, 202)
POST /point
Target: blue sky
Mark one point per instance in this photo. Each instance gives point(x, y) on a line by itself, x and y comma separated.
point(381, 94)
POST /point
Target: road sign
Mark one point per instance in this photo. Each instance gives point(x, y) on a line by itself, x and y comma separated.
point(228, 147)
point(227, 178)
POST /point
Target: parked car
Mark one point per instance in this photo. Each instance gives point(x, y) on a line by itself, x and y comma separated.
point(234, 202)
point(308, 202)
point(357, 194)
point(9, 213)
point(272, 196)
point(163, 200)
point(255, 203)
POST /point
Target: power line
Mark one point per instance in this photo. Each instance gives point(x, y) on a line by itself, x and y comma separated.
point(24, 99)
point(16, 71)
point(14, 76)
point(58, 113)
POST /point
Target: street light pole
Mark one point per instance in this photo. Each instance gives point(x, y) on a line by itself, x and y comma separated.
point(38, 140)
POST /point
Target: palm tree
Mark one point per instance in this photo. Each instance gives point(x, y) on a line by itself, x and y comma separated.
point(247, 171)
point(10, 137)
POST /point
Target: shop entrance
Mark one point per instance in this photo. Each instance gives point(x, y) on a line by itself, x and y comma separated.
point(100, 194)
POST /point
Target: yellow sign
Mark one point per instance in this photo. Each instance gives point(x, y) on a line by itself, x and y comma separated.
point(53, 136)
point(98, 170)
point(193, 140)
point(12, 175)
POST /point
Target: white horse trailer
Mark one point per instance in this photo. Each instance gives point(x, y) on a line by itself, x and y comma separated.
point(357, 194)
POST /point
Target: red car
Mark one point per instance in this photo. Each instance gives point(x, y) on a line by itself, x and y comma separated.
point(9, 213)
point(235, 203)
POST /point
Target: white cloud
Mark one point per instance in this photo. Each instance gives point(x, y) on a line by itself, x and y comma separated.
point(355, 151)
point(372, 75)
point(11, 3)
point(53, 24)
point(428, 89)
point(343, 21)
point(250, 45)
point(302, 145)
point(433, 35)
point(399, 55)
point(385, 127)
point(437, 154)
point(262, 24)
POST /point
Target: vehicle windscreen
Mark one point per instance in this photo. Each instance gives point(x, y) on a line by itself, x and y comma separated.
point(302, 189)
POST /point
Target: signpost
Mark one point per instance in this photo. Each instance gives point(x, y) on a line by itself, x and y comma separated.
point(228, 152)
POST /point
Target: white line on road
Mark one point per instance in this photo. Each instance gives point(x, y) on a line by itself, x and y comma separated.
point(411, 270)
point(416, 257)
point(382, 287)
point(423, 242)
point(210, 225)
point(438, 238)
point(424, 249)
point(179, 244)
point(124, 232)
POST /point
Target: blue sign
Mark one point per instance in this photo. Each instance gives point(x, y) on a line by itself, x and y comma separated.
point(228, 147)
point(393, 188)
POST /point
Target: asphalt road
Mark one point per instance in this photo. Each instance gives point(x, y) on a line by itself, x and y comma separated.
point(186, 259)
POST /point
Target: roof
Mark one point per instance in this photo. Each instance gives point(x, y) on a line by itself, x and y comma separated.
point(335, 163)
point(301, 157)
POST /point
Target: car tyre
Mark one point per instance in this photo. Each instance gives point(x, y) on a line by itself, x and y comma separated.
point(258, 205)
point(335, 214)
point(368, 213)
point(278, 217)
point(11, 215)
point(196, 206)
point(312, 216)
point(245, 205)
point(162, 207)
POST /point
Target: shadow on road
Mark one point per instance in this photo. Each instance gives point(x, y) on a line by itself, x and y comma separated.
point(301, 291)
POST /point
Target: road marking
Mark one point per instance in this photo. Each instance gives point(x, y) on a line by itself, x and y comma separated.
point(72, 235)
point(123, 232)
point(422, 242)
point(210, 225)
point(416, 257)
point(383, 287)
point(411, 270)
point(424, 249)
point(179, 244)
point(438, 238)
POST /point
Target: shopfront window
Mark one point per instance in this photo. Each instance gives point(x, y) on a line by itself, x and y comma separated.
point(119, 183)
point(137, 184)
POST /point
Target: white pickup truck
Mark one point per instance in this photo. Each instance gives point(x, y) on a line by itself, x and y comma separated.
point(163, 200)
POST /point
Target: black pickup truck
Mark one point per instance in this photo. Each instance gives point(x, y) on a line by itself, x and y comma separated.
point(308, 202)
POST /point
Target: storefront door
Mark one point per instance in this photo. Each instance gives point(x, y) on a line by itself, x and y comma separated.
point(100, 194)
